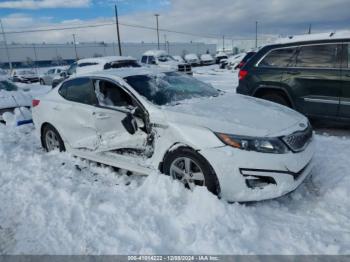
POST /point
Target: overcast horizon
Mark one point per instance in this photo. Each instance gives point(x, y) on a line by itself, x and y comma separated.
point(208, 21)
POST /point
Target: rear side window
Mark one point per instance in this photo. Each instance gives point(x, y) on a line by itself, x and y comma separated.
point(87, 64)
point(144, 59)
point(279, 58)
point(319, 56)
point(151, 60)
point(80, 90)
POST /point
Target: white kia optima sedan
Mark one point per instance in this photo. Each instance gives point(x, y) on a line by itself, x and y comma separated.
point(240, 148)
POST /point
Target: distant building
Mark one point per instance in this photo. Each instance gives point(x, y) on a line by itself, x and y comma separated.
point(29, 55)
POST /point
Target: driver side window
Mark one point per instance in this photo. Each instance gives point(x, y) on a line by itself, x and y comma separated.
point(111, 95)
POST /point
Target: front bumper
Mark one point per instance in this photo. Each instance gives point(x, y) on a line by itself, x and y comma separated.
point(252, 176)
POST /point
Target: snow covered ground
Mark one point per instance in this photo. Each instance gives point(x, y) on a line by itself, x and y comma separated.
point(54, 203)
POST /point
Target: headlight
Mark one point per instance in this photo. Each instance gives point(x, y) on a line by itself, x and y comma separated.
point(263, 145)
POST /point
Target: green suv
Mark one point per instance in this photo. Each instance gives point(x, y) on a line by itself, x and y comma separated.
point(312, 77)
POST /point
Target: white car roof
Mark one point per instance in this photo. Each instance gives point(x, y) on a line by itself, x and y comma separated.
point(155, 53)
point(125, 72)
point(220, 54)
point(105, 59)
point(313, 37)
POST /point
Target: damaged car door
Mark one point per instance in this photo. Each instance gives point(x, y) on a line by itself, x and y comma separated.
point(73, 115)
point(118, 119)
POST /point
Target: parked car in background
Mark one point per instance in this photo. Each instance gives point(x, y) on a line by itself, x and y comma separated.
point(178, 59)
point(239, 148)
point(24, 76)
point(223, 63)
point(192, 59)
point(219, 56)
point(310, 76)
point(47, 77)
point(88, 65)
point(165, 61)
point(234, 60)
point(207, 59)
point(245, 59)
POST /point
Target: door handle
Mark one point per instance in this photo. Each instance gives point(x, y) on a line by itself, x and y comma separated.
point(293, 72)
point(101, 115)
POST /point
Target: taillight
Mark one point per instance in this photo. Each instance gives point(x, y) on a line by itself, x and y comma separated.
point(35, 102)
point(242, 74)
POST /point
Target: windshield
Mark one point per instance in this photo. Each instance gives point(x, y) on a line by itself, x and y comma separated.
point(121, 64)
point(165, 58)
point(8, 86)
point(169, 88)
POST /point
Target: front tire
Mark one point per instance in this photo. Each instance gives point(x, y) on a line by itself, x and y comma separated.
point(191, 169)
point(42, 82)
point(51, 139)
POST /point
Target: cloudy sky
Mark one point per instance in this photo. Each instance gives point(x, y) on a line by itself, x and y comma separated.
point(207, 20)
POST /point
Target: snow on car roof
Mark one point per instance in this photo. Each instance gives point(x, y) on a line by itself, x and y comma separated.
point(314, 37)
point(105, 59)
point(155, 53)
point(125, 72)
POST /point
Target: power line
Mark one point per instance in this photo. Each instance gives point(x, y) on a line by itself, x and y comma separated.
point(123, 24)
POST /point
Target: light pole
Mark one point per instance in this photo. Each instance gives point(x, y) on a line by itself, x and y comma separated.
point(256, 34)
point(6, 47)
point(75, 48)
point(157, 15)
point(117, 25)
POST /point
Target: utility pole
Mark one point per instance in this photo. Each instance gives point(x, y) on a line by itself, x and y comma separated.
point(165, 42)
point(6, 47)
point(157, 15)
point(36, 59)
point(223, 43)
point(256, 34)
point(309, 32)
point(117, 25)
point(75, 48)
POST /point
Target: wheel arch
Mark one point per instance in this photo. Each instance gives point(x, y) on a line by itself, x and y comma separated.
point(261, 90)
point(177, 146)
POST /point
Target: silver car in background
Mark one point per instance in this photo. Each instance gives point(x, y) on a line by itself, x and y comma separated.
point(47, 78)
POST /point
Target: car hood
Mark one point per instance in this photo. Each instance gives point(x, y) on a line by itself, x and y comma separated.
point(237, 114)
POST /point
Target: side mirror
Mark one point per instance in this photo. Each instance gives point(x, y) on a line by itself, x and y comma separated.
point(153, 62)
point(130, 124)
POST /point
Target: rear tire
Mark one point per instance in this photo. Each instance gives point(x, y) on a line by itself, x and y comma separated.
point(200, 173)
point(51, 139)
point(276, 98)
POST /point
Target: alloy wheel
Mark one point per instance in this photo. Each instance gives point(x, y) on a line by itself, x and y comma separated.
point(188, 172)
point(51, 140)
